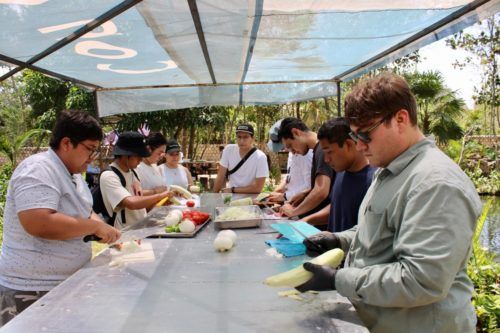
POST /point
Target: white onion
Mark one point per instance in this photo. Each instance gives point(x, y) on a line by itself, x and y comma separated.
point(228, 233)
point(187, 226)
point(171, 220)
point(223, 243)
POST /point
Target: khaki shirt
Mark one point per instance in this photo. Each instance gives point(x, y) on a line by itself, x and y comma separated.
point(406, 266)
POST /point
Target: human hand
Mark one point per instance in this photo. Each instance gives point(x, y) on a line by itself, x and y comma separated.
point(324, 240)
point(276, 196)
point(160, 189)
point(287, 210)
point(323, 278)
point(298, 198)
point(106, 233)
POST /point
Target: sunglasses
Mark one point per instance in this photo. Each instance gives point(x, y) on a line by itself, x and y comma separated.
point(364, 136)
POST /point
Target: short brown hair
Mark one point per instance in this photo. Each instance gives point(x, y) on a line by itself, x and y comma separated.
point(380, 96)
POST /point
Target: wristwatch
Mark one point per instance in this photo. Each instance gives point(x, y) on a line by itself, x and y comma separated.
point(232, 189)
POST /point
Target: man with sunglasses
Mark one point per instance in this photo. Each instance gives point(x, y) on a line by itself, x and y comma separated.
point(47, 213)
point(405, 269)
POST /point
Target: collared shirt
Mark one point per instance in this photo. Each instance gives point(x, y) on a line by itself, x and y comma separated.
point(406, 266)
point(32, 263)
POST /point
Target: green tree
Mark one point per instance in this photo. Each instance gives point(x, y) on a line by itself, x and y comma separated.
point(11, 149)
point(44, 93)
point(80, 99)
point(439, 107)
point(483, 43)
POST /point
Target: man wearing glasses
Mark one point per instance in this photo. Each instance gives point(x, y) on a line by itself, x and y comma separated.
point(406, 266)
point(48, 211)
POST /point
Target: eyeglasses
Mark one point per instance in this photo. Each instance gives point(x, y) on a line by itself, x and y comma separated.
point(365, 135)
point(93, 152)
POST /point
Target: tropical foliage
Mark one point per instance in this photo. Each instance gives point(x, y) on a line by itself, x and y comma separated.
point(483, 44)
point(484, 272)
point(439, 107)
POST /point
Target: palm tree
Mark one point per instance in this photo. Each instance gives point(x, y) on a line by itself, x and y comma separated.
point(439, 107)
point(11, 149)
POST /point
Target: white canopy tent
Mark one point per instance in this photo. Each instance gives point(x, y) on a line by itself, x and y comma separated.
point(164, 54)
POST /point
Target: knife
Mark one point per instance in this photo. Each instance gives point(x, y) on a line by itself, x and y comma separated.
point(310, 243)
point(130, 235)
point(148, 226)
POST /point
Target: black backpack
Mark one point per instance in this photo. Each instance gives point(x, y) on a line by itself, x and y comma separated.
point(98, 205)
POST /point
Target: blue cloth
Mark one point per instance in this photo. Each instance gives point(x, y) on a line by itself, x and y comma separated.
point(287, 247)
point(290, 244)
point(348, 191)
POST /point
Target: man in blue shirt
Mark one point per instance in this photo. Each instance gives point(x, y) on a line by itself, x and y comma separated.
point(354, 176)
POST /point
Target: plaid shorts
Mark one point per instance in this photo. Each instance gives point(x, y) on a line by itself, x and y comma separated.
point(13, 302)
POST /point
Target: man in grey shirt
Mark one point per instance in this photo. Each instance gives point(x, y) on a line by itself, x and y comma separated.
point(405, 269)
point(48, 211)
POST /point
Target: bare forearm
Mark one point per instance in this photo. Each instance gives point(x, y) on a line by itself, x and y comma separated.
point(311, 201)
point(255, 187)
point(139, 202)
point(220, 181)
point(318, 218)
point(57, 226)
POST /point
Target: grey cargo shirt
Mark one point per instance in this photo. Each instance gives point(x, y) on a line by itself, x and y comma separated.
point(406, 266)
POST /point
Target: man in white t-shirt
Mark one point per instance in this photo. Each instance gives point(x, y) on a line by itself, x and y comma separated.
point(128, 151)
point(299, 168)
point(47, 213)
point(251, 175)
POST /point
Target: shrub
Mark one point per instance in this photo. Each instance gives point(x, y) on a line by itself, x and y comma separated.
point(485, 274)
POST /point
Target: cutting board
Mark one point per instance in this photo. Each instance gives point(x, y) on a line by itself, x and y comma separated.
point(142, 253)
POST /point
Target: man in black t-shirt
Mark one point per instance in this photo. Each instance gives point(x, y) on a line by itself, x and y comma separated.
point(298, 138)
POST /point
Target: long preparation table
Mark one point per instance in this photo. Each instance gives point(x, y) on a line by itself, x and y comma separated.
point(188, 287)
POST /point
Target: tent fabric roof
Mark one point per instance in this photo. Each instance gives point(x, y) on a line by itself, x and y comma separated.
point(159, 54)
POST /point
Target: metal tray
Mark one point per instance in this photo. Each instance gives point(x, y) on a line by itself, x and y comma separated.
point(160, 212)
point(239, 223)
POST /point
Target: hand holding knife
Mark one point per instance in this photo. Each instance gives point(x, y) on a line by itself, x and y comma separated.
point(316, 247)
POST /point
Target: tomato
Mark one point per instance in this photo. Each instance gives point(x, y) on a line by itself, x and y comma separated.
point(190, 203)
point(187, 214)
point(200, 217)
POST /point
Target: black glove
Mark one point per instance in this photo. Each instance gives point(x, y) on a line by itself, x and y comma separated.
point(320, 243)
point(323, 278)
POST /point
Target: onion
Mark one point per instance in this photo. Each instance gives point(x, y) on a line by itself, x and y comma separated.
point(228, 233)
point(223, 243)
point(187, 226)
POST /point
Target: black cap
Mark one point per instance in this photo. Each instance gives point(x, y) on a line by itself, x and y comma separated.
point(247, 128)
point(131, 144)
point(172, 146)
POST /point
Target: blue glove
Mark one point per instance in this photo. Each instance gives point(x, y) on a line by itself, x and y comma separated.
point(320, 243)
point(323, 278)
